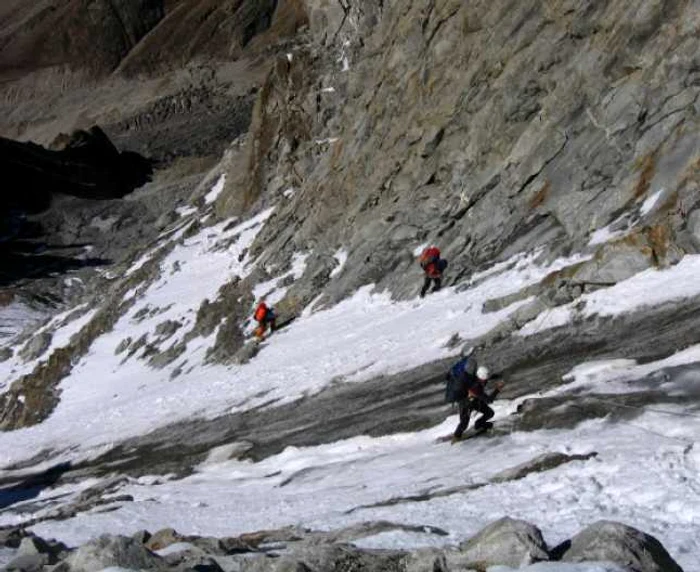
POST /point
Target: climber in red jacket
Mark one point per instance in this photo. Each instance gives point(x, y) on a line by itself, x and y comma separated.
point(433, 267)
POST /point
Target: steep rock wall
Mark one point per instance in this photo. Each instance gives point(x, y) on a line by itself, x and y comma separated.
point(486, 127)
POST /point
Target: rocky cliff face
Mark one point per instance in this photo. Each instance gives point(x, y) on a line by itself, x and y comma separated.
point(488, 128)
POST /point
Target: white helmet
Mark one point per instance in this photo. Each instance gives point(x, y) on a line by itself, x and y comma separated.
point(482, 372)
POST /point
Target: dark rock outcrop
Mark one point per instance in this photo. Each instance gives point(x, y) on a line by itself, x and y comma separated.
point(87, 165)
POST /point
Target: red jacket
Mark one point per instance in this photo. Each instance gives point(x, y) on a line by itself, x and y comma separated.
point(260, 312)
point(429, 260)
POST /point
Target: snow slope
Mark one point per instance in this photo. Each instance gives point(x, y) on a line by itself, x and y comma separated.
point(109, 397)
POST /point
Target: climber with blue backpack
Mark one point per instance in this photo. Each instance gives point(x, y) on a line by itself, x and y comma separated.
point(466, 386)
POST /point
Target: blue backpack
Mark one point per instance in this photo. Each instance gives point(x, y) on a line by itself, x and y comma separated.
point(458, 380)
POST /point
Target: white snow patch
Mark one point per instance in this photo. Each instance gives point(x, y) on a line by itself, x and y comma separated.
point(212, 195)
point(224, 453)
point(186, 210)
point(400, 539)
point(299, 264)
point(140, 262)
point(650, 203)
point(175, 547)
point(605, 234)
point(341, 256)
point(420, 248)
point(621, 226)
point(328, 90)
point(648, 288)
point(622, 375)
point(289, 193)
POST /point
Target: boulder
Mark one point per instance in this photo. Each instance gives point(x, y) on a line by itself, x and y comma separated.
point(12, 537)
point(615, 542)
point(163, 538)
point(27, 563)
point(506, 542)
point(117, 551)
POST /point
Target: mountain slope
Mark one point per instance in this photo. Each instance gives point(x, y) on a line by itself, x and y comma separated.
point(550, 151)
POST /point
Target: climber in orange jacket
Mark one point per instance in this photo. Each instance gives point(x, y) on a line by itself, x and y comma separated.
point(265, 316)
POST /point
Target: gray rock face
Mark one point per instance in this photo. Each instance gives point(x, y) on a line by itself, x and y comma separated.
point(506, 542)
point(694, 225)
point(106, 551)
point(500, 147)
point(544, 462)
point(36, 346)
point(615, 263)
point(621, 544)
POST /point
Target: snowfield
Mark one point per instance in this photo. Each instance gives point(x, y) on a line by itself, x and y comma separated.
point(645, 474)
